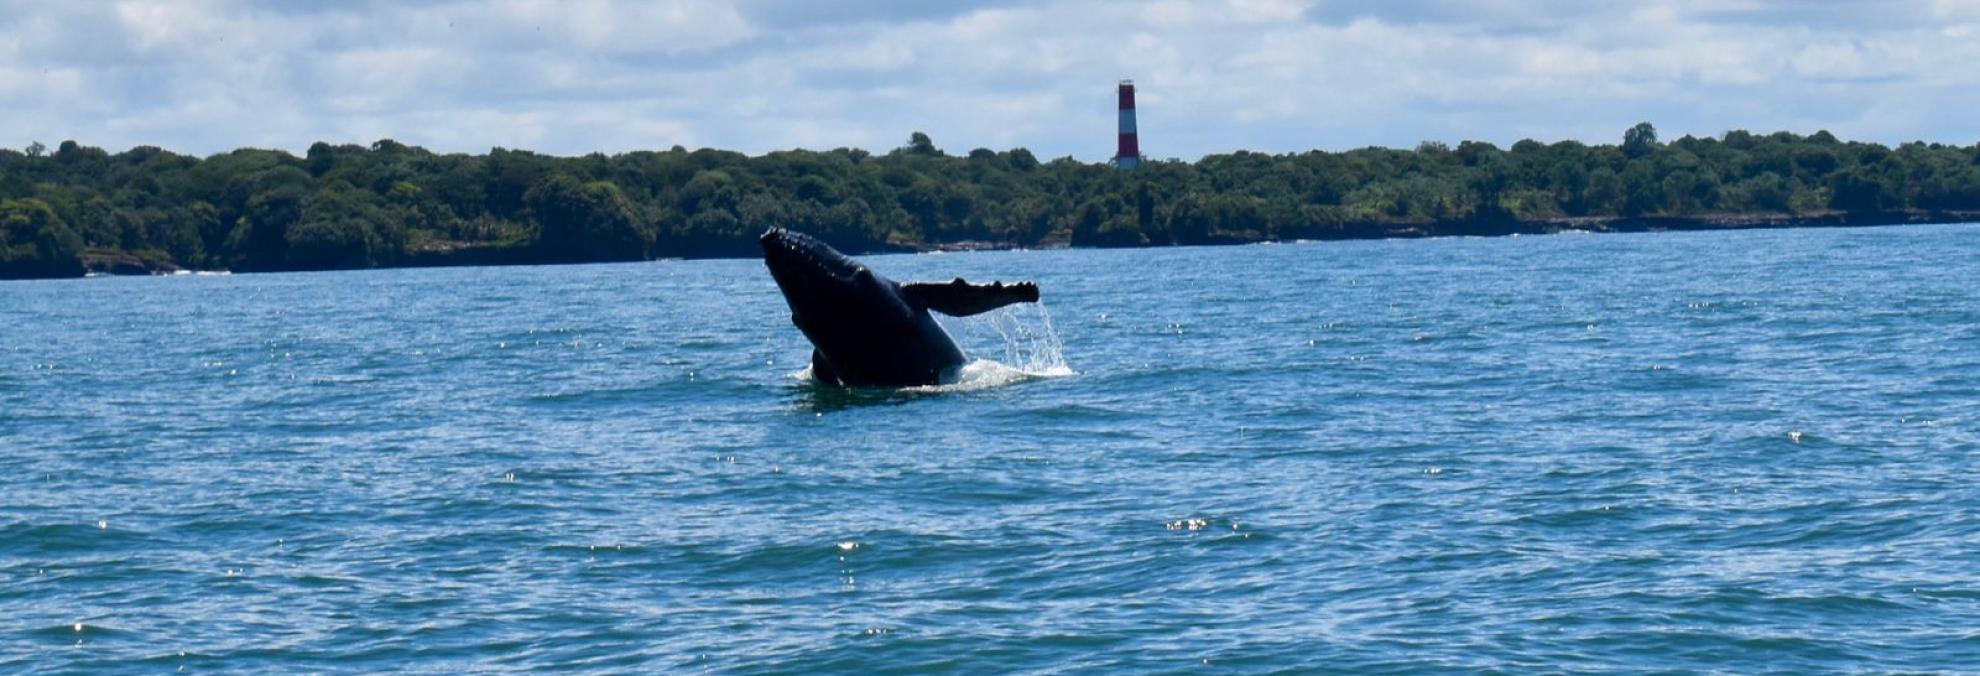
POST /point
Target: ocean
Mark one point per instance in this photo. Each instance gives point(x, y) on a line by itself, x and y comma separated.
point(1743, 451)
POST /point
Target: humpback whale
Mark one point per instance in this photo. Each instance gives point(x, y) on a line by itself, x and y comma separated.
point(870, 331)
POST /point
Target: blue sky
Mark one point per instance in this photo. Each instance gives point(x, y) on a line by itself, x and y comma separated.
point(577, 76)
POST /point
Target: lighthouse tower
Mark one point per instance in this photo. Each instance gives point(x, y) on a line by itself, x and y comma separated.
point(1128, 156)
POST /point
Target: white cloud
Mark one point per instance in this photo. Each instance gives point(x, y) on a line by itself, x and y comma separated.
point(614, 26)
point(577, 76)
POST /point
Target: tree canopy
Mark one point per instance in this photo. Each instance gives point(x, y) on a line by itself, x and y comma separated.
point(388, 204)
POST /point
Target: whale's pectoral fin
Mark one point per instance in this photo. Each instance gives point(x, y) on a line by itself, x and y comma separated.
point(962, 299)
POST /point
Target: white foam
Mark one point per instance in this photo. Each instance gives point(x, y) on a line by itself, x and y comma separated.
point(983, 374)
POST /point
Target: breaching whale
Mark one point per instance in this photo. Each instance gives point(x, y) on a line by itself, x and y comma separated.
point(867, 330)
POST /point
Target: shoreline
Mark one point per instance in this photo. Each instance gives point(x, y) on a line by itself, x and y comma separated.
point(113, 263)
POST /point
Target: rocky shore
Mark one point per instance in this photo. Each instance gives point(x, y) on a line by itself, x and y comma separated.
point(112, 262)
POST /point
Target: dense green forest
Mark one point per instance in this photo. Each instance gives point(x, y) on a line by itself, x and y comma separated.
point(391, 204)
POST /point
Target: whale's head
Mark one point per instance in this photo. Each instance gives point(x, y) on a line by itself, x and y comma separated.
point(831, 295)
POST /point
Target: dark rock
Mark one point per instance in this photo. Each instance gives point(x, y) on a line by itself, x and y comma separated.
point(120, 263)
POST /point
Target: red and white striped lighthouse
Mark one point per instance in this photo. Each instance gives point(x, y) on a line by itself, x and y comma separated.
point(1128, 156)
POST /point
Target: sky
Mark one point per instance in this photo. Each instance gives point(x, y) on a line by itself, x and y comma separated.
point(570, 77)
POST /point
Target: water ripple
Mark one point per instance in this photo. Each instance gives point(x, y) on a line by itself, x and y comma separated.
point(1739, 451)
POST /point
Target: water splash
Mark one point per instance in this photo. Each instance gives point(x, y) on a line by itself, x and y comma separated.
point(1022, 334)
point(1030, 347)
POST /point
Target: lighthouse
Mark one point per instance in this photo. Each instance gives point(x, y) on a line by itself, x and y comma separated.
point(1128, 154)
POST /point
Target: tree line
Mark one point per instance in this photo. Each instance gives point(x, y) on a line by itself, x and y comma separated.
point(390, 204)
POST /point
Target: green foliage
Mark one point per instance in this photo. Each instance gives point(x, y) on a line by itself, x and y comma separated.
point(343, 206)
point(341, 229)
point(34, 242)
point(586, 221)
point(1639, 140)
point(919, 144)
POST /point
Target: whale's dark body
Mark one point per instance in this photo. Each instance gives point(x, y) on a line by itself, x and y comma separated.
point(867, 330)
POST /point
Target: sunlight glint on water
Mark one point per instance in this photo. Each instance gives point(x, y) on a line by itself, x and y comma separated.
point(1732, 451)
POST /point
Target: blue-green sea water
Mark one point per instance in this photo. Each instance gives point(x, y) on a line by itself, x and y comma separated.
point(1743, 451)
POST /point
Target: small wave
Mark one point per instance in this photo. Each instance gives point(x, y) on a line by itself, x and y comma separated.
point(630, 394)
